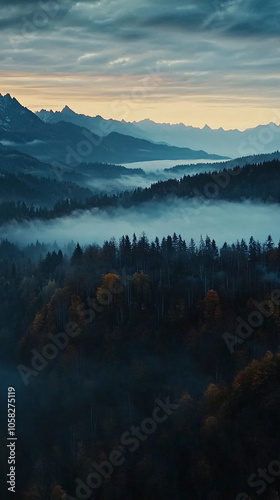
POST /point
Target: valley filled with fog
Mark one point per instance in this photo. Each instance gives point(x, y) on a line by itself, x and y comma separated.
point(221, 220)
point(153, 171)
point(140, 250)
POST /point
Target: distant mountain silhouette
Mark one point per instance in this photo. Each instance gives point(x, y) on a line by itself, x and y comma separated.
point(233, 143)
point(72, 145)
point(97, 124)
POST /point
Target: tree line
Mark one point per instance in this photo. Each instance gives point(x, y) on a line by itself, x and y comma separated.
point(259, 182)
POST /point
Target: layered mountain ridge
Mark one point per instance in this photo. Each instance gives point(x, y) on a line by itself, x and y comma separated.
point(70, 144)
point(233, 143)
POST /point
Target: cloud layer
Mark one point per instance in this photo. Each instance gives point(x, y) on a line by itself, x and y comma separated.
point(219, 54)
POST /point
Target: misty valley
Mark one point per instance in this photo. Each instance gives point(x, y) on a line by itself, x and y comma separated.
point(187, 218)
point(140, 308)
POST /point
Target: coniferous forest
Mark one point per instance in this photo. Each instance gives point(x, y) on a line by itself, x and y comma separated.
point(139, 250)
point(257, 182)
point(100, 335)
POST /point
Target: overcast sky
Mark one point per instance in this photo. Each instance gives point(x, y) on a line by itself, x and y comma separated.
point(196, 61)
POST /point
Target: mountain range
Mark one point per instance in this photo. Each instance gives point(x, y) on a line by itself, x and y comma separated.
point(70, 144)
point(230, 143)
point(53, 151)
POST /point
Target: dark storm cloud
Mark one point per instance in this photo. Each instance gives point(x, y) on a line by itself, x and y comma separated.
point(16, 15)
point(247, 18)
point(236, 17)
point(242, 18)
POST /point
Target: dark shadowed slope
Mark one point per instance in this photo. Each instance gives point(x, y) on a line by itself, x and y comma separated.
point(71, 145)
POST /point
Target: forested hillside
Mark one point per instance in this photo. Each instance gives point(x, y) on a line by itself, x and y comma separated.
point(252, 182)
point(141, 322)
point(40, 191)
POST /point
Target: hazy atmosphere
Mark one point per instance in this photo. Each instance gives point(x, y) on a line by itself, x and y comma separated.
point(139, 250)
point(191, 219)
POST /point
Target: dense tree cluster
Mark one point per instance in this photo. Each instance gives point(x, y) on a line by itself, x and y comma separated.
point(255, 182)
point(39, 191)
point(146, 321)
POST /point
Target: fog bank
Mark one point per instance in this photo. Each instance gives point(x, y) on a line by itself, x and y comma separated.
point(159, 165)
point(221, 220)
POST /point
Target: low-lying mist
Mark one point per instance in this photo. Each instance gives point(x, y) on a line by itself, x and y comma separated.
point(157, 166)
point(124, 183)
point(221, 220)
point(154, 171)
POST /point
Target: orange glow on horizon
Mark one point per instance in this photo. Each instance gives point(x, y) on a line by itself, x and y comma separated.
point(133, 102)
